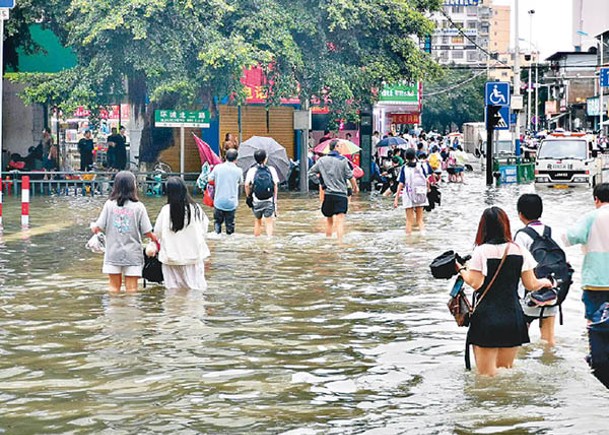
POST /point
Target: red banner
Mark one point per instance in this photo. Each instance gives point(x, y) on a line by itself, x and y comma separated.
point(111, 112)
point(254, 81)
point(405, 118)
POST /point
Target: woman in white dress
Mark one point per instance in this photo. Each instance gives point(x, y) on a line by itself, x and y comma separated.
point(181, 227)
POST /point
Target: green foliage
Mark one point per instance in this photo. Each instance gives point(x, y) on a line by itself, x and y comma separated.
point(188, 52)
point(197, 49)
point(454, 99)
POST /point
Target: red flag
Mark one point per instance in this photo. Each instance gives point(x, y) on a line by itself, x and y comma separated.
point(206, 153)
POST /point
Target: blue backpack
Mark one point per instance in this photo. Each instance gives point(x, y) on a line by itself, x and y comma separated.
point(264, 186)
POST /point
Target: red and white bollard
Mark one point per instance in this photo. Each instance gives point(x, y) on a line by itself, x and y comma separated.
point(1, 189)
point(25, 201)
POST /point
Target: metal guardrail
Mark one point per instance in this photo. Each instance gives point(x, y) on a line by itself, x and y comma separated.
point(84, 183)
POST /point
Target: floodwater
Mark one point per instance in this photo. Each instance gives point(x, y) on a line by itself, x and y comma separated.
point(295, 335)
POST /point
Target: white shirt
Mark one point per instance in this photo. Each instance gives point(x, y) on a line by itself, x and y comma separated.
point(249, 180)
point(487, 251)
point(188, 245)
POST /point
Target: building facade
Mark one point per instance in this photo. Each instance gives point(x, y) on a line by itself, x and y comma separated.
point(590, 17)
point(450, 45)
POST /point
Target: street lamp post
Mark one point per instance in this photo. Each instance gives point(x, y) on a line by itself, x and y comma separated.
point(517, 74)
point(529, 90)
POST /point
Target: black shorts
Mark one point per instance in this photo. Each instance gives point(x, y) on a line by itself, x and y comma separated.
point(334, 204)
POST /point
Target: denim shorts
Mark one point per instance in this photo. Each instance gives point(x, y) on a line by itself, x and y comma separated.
point(593, 299)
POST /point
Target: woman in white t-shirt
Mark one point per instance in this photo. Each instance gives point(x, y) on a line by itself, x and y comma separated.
point(498, 326)
point(181, 227)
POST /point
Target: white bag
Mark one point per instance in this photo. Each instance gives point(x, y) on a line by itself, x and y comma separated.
point(97, 243)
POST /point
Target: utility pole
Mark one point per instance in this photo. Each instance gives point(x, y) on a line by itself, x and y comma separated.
point(517, 73)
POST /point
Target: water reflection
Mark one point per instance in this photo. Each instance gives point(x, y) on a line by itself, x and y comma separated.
point(294, 335)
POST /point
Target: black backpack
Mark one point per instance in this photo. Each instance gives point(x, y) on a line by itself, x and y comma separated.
point(551, 261)
point(264, 186)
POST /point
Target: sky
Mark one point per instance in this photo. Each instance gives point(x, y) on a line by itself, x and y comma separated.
point(552, 24)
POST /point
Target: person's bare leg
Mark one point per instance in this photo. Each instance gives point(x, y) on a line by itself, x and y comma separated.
point(486, 360)
point(131, 283)
point(409, 220)
point(339, 223)
point(115, 282)
point(506, 356)
point(269, 224)
point(546, 328)
point(420, 222)
point(257, 227)
point(329, 226)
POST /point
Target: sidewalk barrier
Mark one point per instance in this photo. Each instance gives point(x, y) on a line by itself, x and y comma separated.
point(513, 170)
point(25, 201)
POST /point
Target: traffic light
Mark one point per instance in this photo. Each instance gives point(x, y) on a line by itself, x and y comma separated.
point(493, 118)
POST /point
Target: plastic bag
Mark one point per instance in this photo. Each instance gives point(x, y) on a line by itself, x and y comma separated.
point(97, 243)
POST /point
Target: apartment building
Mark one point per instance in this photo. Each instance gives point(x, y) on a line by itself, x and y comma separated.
point(453, 46)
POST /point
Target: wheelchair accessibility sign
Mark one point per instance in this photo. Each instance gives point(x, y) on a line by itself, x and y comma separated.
point(497, 94)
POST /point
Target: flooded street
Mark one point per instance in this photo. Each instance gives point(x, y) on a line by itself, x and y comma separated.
point(295, 335)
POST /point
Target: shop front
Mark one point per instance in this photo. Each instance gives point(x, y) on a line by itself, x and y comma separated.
point(398, 110)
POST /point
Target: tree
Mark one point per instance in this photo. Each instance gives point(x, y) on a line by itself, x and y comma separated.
point(184, 53)
point(456, 98)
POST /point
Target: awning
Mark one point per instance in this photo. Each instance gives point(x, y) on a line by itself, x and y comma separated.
point(557, 117)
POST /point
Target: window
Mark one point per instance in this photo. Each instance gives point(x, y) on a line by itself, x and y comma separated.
point(472, 24)
point(445, 40)
point(504, 74)
point(457, 9)
point(458, 54)
point(457, 40)
point(472, 56)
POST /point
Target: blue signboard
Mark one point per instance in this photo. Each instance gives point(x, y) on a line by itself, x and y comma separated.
point(506, 119)
point(605, 77)
point(514, 118)
point(497, 94)
point(508, 174)
point(7, 4)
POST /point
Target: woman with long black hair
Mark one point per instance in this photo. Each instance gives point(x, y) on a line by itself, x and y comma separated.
point(181, 227)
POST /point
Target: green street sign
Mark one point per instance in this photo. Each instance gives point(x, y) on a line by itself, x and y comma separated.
point(402, 93)
point(181, 118)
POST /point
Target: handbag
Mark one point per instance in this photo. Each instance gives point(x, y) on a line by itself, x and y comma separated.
point(208, 195)
point(153, 269)
point(444, 265)
point(460, 307)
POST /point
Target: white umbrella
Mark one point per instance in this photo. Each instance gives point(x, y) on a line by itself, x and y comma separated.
point(276, 154)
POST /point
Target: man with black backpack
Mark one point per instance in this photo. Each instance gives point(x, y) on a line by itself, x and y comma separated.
point(261, 183)
point(551, 263)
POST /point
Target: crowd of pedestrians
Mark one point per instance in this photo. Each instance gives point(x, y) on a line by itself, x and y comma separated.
point(504, 270)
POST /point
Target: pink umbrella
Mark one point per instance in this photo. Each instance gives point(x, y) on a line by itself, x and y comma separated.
point(344, 146)
point(206, 153)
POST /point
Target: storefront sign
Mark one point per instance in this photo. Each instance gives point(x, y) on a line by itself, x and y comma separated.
point(455, 32)
point(461, 2)
point(254, 83)
point(551, 108)
point(401, 93)
point(109, 112)
point(593, 106)
point(181, 118)
point(405, 118)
